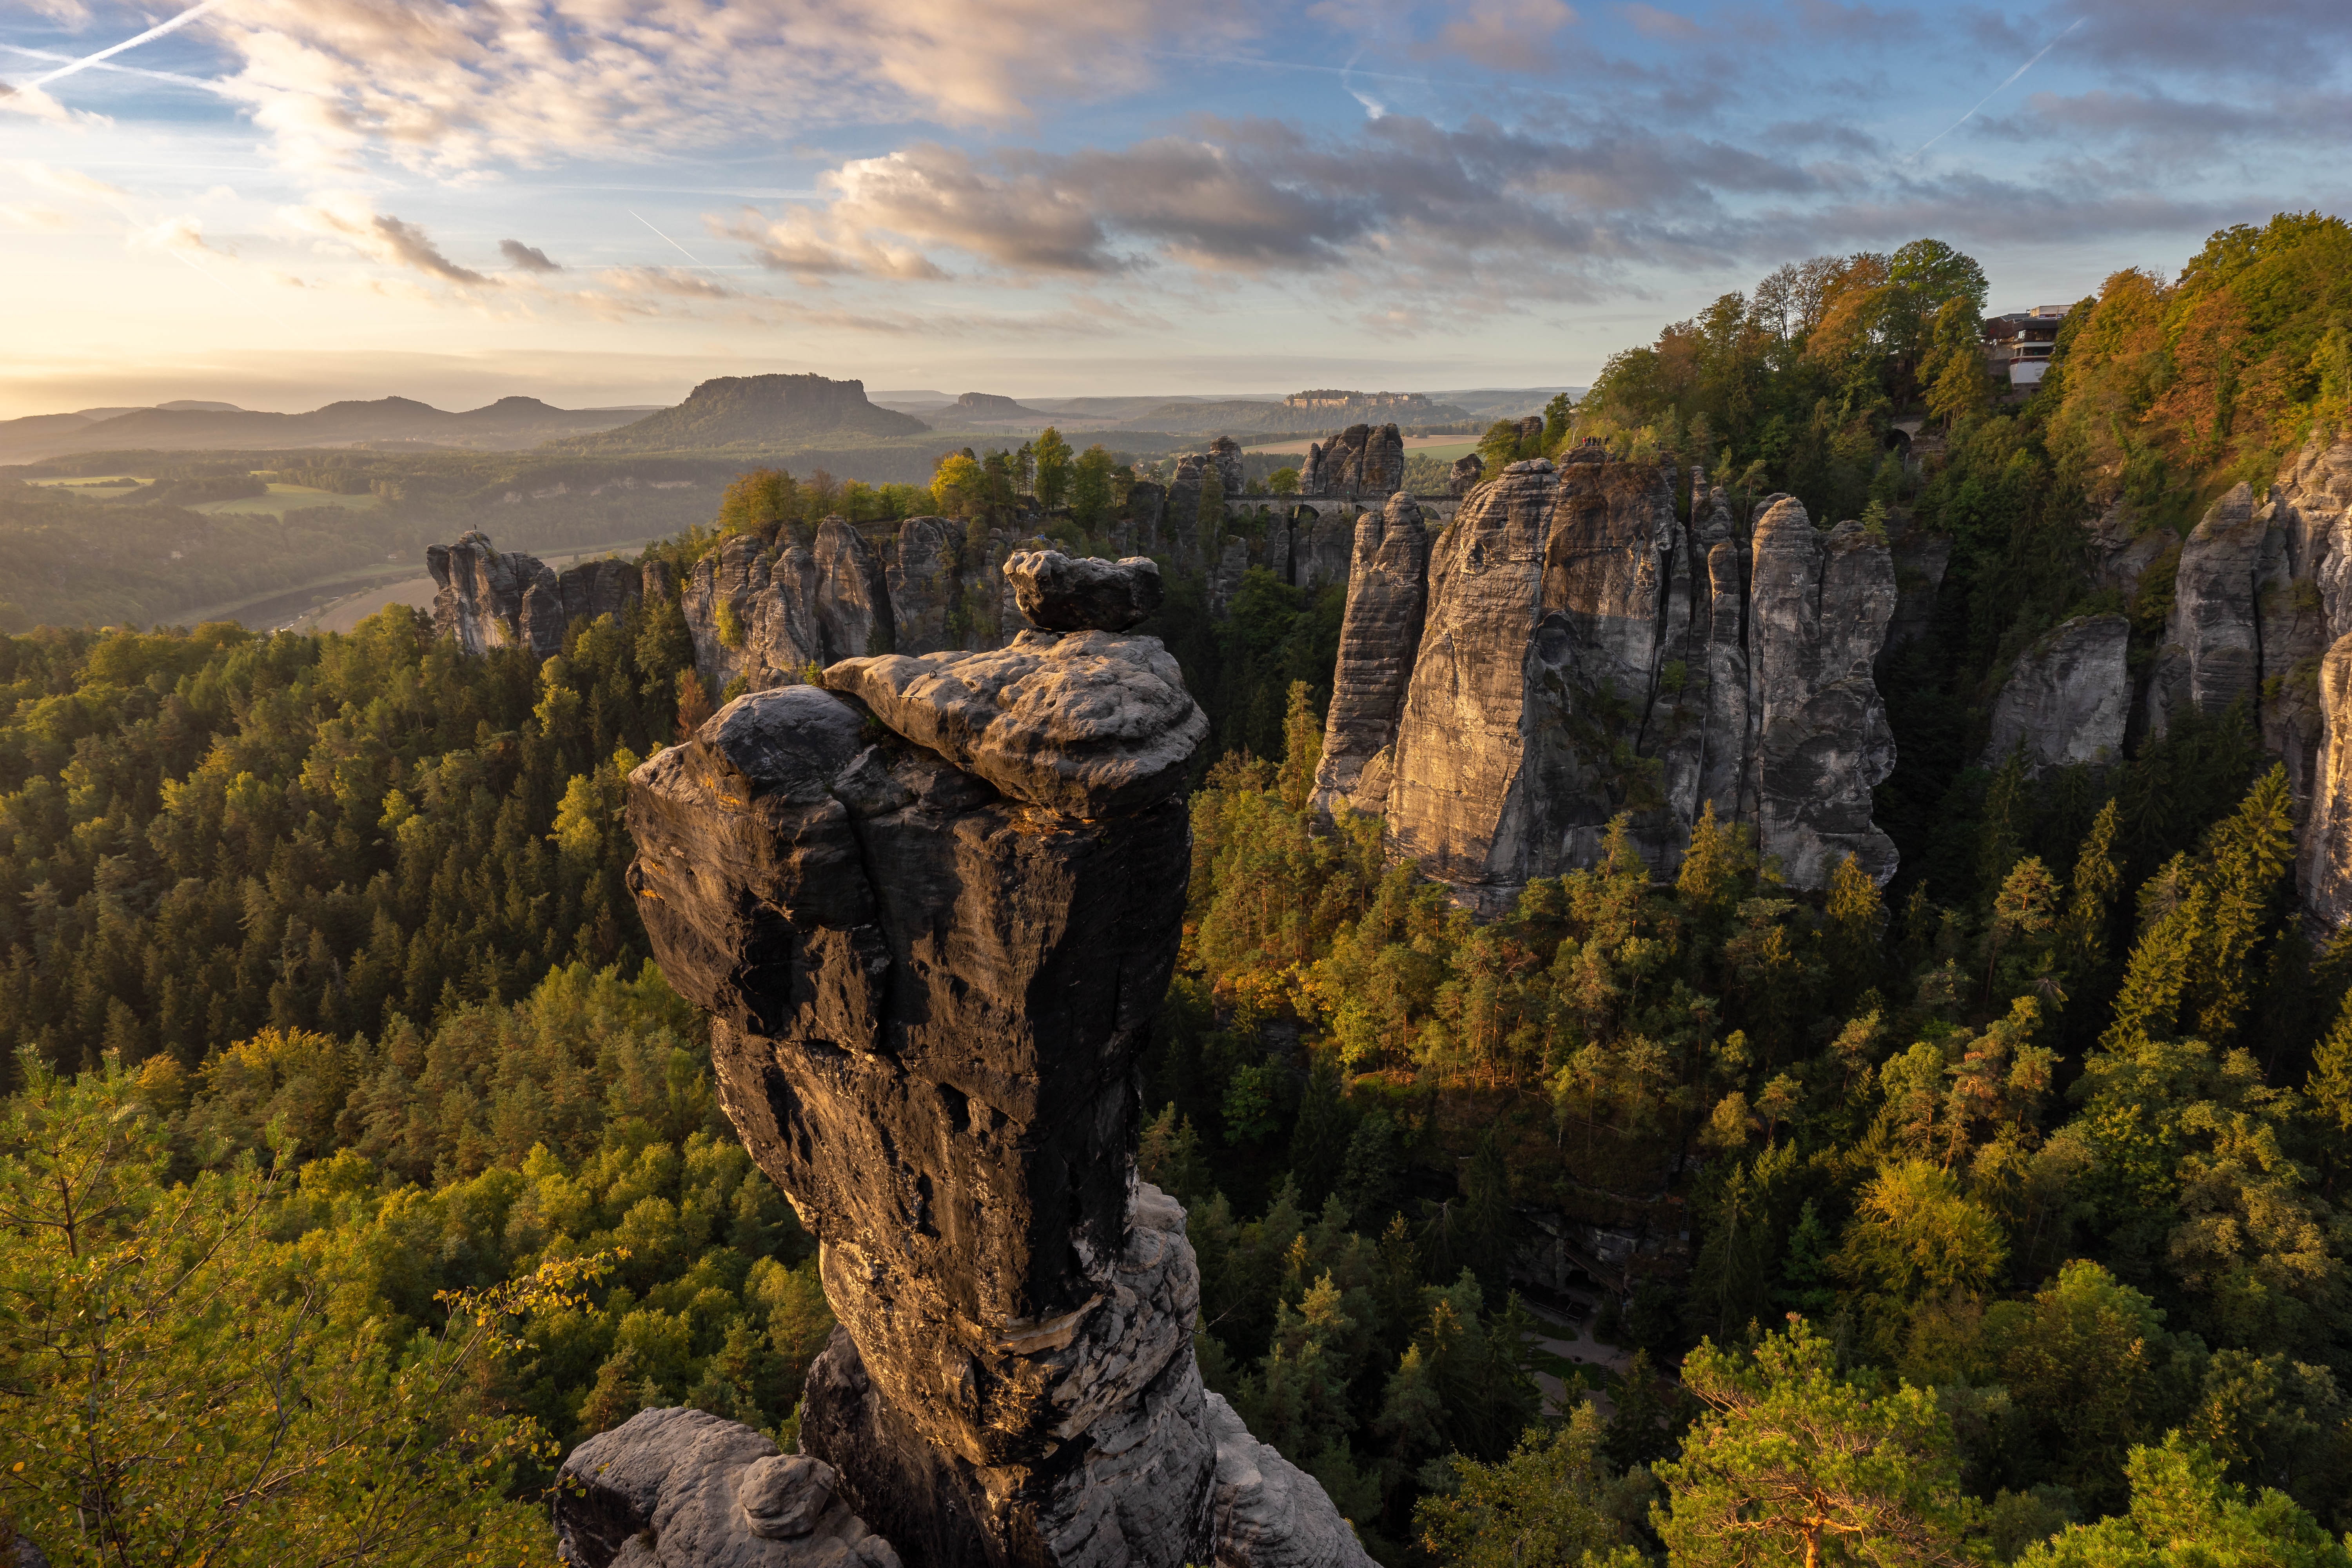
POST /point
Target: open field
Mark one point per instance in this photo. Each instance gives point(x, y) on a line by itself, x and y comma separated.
point(283, 499)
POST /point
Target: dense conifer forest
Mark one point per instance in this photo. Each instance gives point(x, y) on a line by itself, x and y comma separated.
point(357, 1162)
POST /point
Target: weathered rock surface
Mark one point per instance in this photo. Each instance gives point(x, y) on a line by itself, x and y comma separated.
point(486, 598)
point(763, 615)
point(1584, 654)
point(1059, 594)
point(1362, 462)
point(1266, 1508)
point(1468, 469)
point(1087, 724)
point(930, 988)
point(2121, 551)
point(2212, 648)
point(1378, 639)
point(679, 1488)
point(1817, 604)
point(924, 584)
point(2068, 698)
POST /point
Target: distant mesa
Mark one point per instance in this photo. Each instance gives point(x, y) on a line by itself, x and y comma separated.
point(755, 411)
point(991, 405)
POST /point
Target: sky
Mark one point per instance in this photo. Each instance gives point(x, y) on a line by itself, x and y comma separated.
point(279, 202)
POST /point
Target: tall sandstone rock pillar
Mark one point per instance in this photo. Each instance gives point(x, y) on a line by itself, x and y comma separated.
point(931, 907)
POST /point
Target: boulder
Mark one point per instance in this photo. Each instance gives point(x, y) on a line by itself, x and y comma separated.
point(2067, 698)
point(1056, 593)
point(679, 1488)
point(1085, 723)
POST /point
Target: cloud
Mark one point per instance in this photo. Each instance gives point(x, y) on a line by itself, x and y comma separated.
point(1666, 27)
point(676, 282)
point(1403, 203)
point(348, 218)
point(529, 258)
point(450, 88)
point(183, 233)
point(1508, 34)
point(72, 182)
point(2269, 40)
point(36, 219)
point(32, 103)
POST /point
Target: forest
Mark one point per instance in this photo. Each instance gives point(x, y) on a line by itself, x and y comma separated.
point(1985, 1216)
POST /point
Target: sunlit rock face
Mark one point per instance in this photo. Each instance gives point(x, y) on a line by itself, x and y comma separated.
point(486, 598)
point(931, 906)
point(1582, 653)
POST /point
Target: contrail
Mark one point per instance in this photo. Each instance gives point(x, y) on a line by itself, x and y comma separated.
point(126, 70)
point(1996, 92)
point(157, 31)
point(673, 244)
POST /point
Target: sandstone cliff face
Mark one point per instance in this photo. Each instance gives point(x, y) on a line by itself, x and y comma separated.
point(927, 906)
point(2067, 698)
point(489, 599)
point(1585, 654)
point(1378, 640)
point(1819, 605)
point(1360, 461)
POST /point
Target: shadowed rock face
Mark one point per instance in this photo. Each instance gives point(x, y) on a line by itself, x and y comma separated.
point(931, 907)
point(487, 599)
point(2067, 697)
point(1378, 638)
point(1059, 594)
point(1584, 654)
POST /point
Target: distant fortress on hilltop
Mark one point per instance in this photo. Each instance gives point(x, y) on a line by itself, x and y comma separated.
point(1329, 397)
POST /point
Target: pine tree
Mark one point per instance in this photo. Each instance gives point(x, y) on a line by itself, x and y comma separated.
point(1302, 749)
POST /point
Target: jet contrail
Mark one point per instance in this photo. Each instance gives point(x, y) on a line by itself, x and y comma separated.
point(673, 244)
point(109, 66)
point(157, 31)
point(1996, 92)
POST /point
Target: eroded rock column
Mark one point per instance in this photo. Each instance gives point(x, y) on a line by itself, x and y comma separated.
point(931, 907)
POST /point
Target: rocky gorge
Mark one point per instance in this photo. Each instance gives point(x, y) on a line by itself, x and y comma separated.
point(924, 902)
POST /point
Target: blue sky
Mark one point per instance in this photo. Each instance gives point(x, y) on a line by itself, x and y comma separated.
point(280, 201)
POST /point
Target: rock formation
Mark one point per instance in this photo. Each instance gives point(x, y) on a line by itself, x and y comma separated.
point(2212, 645)
point(1584, 654)
point(679, 1488)
point(487, 598)
point(923, 583)
point(1362, 461)
point(1062, 595)
point(2067, 698)
point(764, 616)
point(1468, 469)
point(928, 907)
point(1389, 584)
